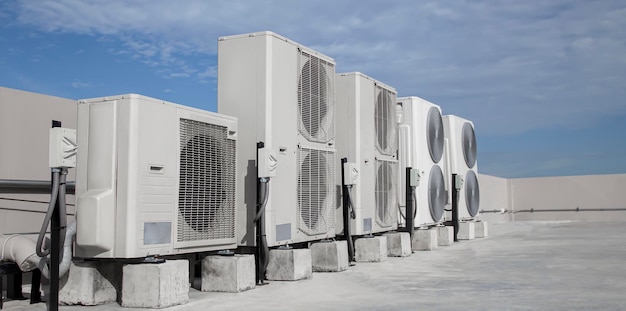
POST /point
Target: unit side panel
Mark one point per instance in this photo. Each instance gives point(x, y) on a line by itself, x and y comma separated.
point(242, 94)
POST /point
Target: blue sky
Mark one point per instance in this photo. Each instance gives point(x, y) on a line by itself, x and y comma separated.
point(543, 81)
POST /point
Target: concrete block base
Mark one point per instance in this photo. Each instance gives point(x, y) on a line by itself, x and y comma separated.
point(445, 236)
point(467, 231)
point(480, 228)
point(161, 285)
point(289, 265)
point(90, 283)
point(329, 256)
point(228, 273)
point(398, 244)
point(425, 239)
point(370, 249)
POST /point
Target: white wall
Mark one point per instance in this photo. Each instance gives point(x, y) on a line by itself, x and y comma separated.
point(25, 120)
point(569, 192)
point(494, 195)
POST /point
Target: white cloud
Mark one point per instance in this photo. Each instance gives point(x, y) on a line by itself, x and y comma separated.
point(79, 85)
point(511, 66)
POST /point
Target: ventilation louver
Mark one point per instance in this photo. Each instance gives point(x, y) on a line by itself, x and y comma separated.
point(316, 98)
point(386, 203)
point(472, 193)
point(385, 121)
point(206, 202)
point(469, 145)
point(436, 193)
point(434, 132)
point(316, 192)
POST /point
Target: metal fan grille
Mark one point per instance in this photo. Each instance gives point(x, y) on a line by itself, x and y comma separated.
point(386, 203)
point(469, 145)
point(316, 193)
point(436, 193)
point(316, 98)
point(434, 134)
point(206, 198)
point(472, 193)
point(385, 121)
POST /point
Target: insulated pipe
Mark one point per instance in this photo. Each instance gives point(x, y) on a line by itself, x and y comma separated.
point(31, 186)
point(455, 208)
point(19, 249)
point(410, 207)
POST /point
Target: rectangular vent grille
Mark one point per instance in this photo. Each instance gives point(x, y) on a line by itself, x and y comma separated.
point(206, 199)
point(385, 121)
point(386, 202)
point(316, 191)
point(316, 98)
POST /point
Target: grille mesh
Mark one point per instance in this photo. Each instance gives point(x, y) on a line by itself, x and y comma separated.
point(206, 199)
point(386, 203)
point(316, 98)
point(436, 193)
point(316, 192)
point(469, 145)
point(434, 134)
point(385, 121)
point(472, 193)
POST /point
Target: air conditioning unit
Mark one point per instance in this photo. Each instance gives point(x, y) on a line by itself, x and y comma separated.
point(460, 135)
point(367, 136)
point(153, 178)
point(421, 136)
point(283, 94)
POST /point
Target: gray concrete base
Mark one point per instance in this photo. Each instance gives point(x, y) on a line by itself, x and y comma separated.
point(480, 229)
point(370, 249)
point(156, 285)
point(398, 244)
point(228, 273)
point(467, 231)
point(445, 236)
point(90, 283)
point(425, 239)
point(329, 256)
point(289, 265)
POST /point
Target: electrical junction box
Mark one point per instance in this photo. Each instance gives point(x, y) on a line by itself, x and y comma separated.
point(458, 182)
point(350, 173)
point(268, 163)
point(414, 178)
point(63, 147)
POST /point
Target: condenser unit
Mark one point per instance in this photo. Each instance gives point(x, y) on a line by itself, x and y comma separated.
point(283, 95)
point(153, 178)
point(367, 137)
point(461, 139)
point(421, 140)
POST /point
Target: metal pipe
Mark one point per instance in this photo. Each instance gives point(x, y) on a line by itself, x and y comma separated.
point(532, 210)
point(346, 203)
point(408, 212)
point(31, 186)
point(455, 208)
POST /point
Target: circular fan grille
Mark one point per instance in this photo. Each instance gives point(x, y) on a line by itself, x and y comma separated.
point(385, 193)
point(436, 193)
point(315, 101)
point(313, 189)
point(385, 122)
point(206, 194)
point(434, 132)
point(472, 193)
point(469, 145)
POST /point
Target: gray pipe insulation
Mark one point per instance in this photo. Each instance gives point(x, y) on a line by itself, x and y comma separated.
point(22, 251)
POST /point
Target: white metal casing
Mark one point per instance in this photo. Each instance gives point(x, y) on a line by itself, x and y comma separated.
point(148, 176)
point(453, 129)
point(356, 140)
point(259, 77)
point(414, 152)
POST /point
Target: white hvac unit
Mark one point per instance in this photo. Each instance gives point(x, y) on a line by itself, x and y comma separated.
point(153, 178)
point(461, 139)
point(421, 136)
point(367, 136)
point(283, 94)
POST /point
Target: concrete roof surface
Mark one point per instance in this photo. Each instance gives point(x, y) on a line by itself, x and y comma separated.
point(520, 266)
